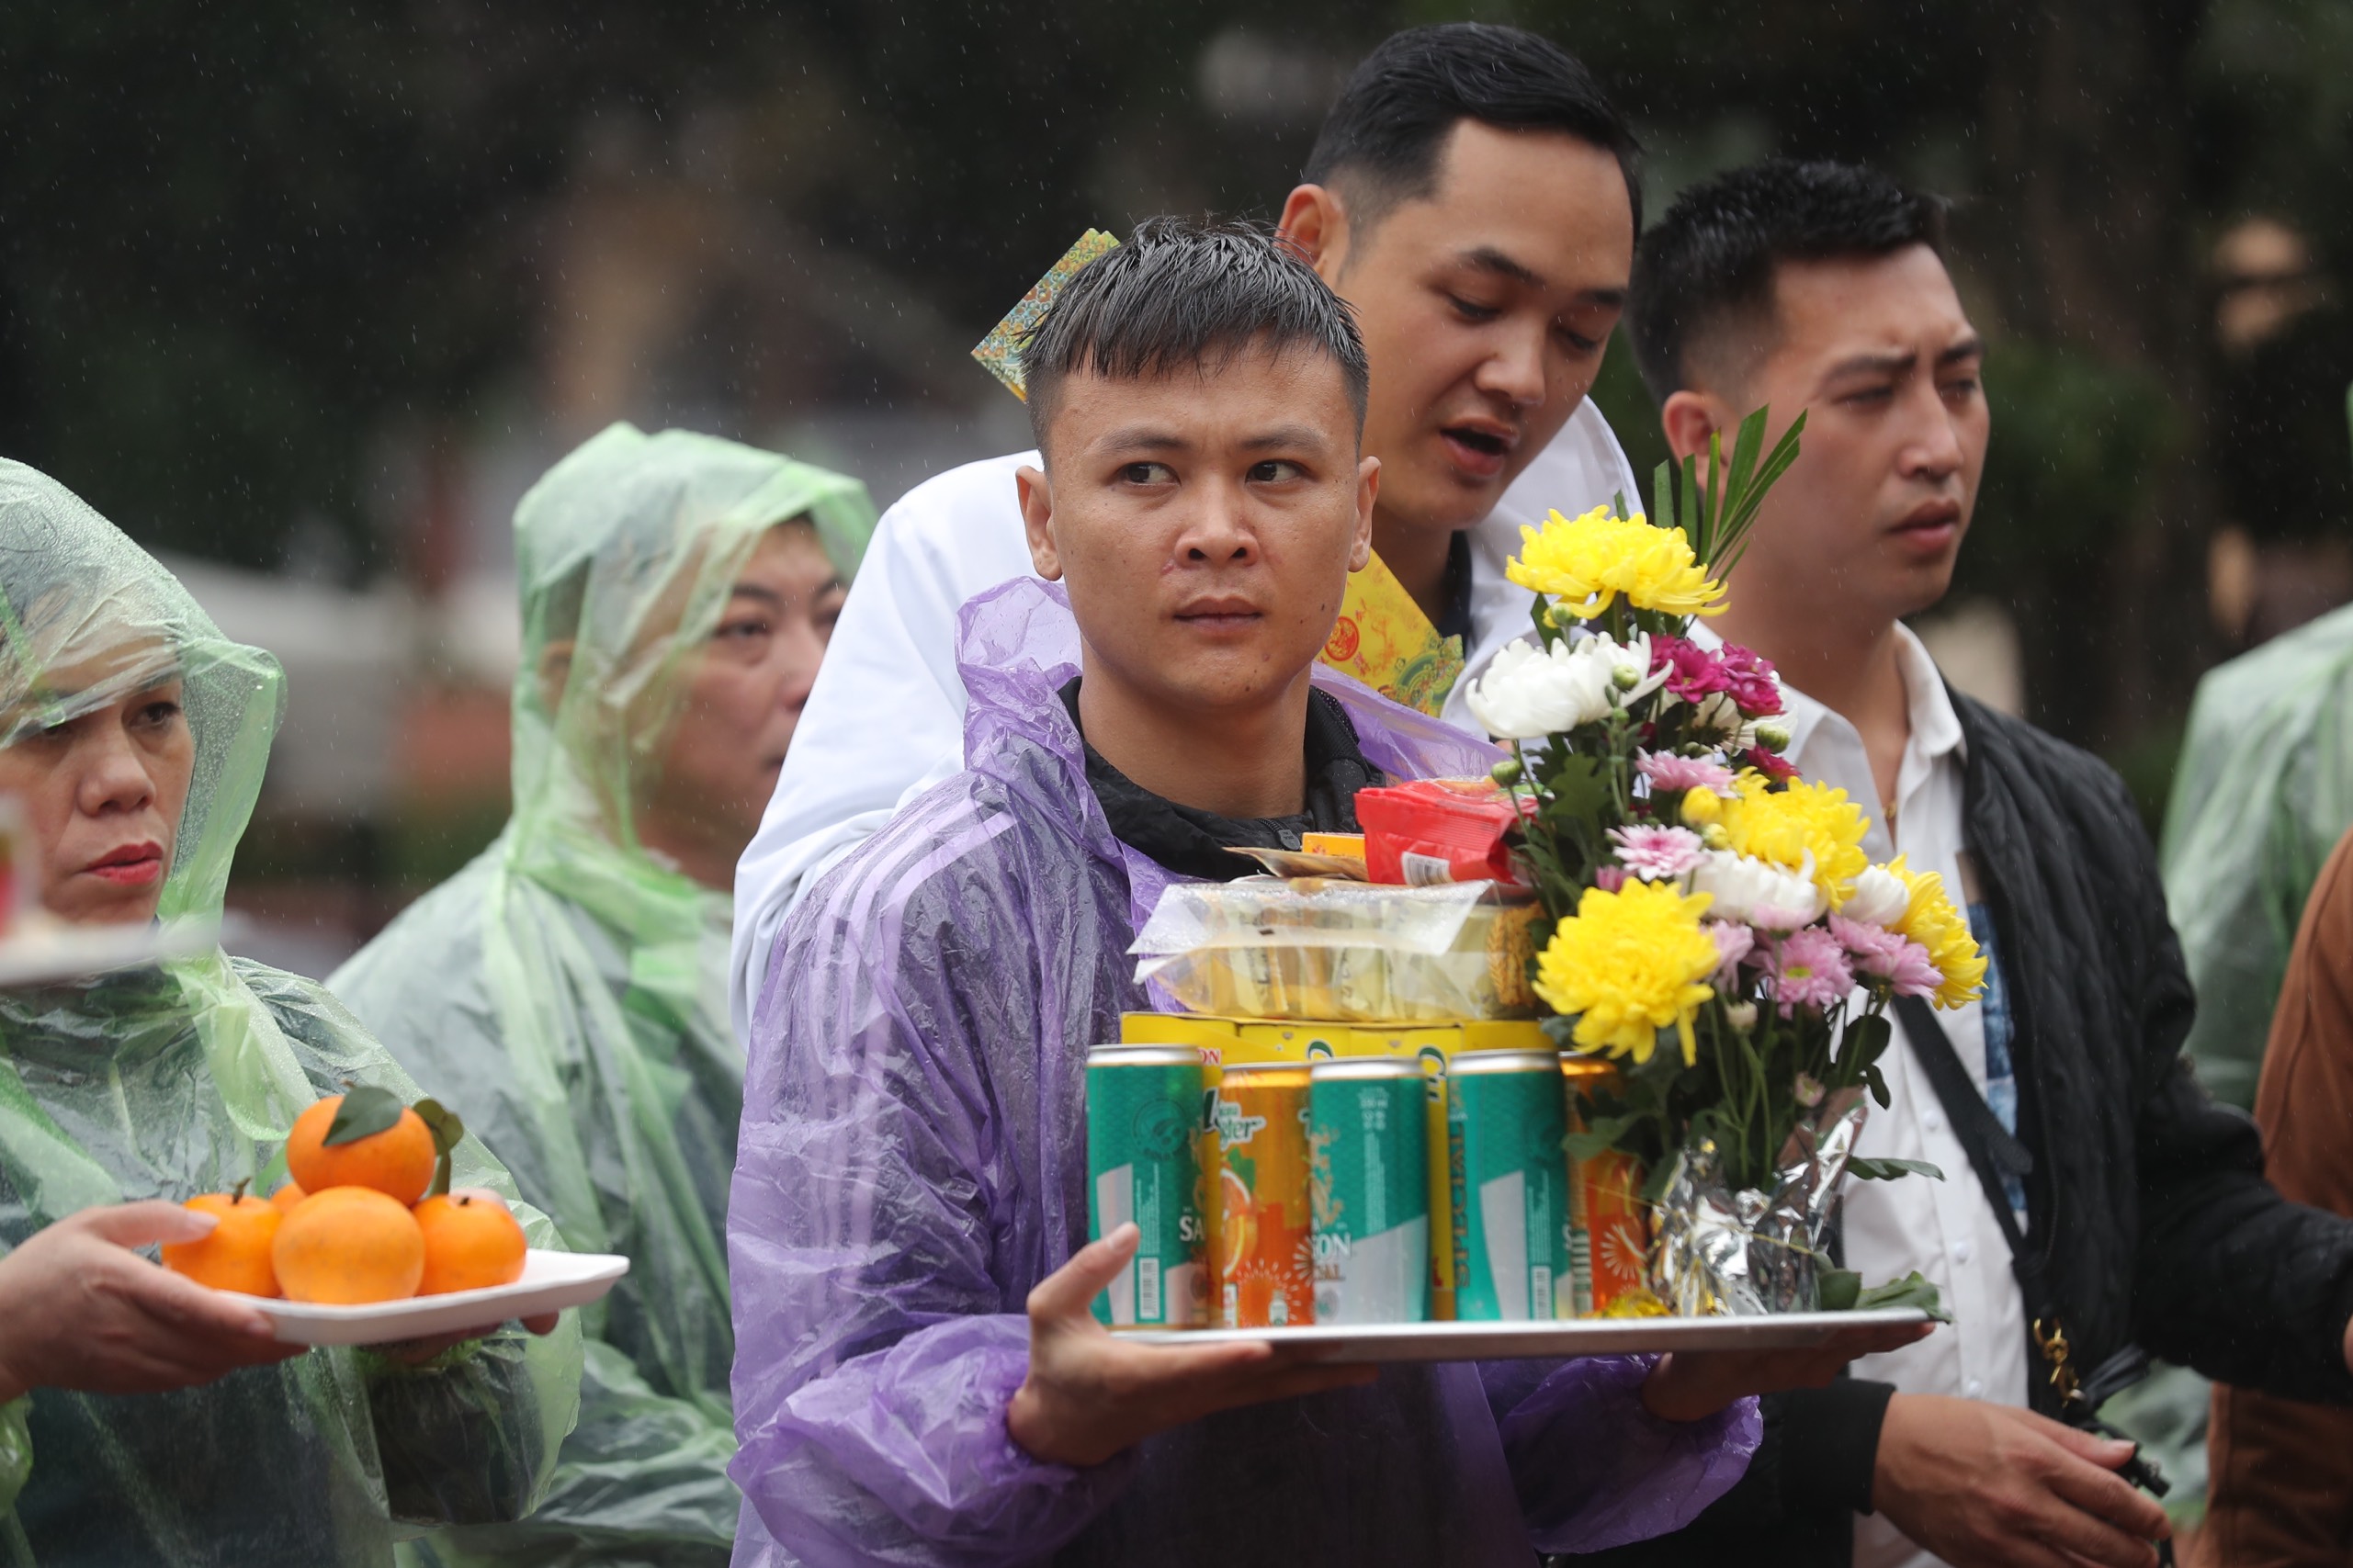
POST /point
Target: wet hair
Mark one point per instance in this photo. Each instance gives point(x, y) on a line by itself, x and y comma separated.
point(1708, 264)
point(1181, 295)
point(1381, 141)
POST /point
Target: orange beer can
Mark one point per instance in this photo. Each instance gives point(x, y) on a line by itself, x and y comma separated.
point(1609, 1240)
point(1265, 1259)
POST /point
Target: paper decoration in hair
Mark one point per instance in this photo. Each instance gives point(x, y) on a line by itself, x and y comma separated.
point(1000, 352)
point(1383, 639)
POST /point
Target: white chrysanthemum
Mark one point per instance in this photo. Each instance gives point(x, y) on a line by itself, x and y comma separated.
point(1755, 893)
point(1880, 897)
point(1530, 691)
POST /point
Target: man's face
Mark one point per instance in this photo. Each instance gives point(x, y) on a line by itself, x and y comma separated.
point(1485, 308)
point(1205, 522)
point(1880, 355)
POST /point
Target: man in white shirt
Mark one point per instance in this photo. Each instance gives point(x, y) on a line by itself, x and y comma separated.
point(2141, 1214)
point(1472, 196)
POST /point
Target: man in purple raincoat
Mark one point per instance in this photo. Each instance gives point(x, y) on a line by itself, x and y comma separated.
point(918, 1379)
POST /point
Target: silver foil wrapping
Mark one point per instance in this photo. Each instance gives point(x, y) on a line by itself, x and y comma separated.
point(1724, 1254)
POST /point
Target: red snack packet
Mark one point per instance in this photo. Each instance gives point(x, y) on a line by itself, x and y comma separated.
point(1435, 831)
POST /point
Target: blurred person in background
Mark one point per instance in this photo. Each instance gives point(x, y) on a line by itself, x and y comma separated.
point(2095, 1195)
point(2280, 1470)
point(149, 1420)
point(1472, 197)
point(569, 986)
point(2264, 787)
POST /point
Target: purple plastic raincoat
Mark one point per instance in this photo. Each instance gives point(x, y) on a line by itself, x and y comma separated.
point(913, 1160)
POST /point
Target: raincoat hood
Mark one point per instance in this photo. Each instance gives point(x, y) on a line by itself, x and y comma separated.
point(569, 984)
point(86, 619)
point(181, 1078)
point(913, 1162)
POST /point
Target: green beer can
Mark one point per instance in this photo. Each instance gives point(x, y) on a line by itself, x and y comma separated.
point(1370, 1160)
point(1144, 1118)
point(1506, 1153)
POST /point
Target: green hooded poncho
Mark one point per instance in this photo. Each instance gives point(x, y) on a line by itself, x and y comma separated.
point(2263, 791)
point(567, 989)
point(181, 1078)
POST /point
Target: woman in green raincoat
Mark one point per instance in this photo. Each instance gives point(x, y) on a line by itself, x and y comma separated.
point(151, 1421)
point(567, 988)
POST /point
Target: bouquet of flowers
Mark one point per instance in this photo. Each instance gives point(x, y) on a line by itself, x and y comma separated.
point(1714, 928)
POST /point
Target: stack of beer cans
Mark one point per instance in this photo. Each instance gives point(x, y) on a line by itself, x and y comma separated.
point(1286, 1173)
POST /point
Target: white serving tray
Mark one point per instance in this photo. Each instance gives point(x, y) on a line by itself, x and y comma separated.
point(45, 952)
point(550, 1280)
point(1550, 1341)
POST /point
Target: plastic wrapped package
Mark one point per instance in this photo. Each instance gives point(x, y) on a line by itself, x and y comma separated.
point(171, 1081)
point(567, 989)
point(914, 1161)
point(1339, 951)
point(2264, 792)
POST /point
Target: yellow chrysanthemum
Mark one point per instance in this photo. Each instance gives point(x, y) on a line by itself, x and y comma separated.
point(1783, 827)
point(1628, 964)
point(1932, 920)
point(1587, 563)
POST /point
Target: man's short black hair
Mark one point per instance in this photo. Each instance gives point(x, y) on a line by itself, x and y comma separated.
point(1383, 138)
point(1178, 295)
point(1709, 263)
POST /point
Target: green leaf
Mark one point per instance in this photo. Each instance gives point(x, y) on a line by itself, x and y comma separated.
point(1872, 1075)
point(1580, 791)
point(365, 1110)
point(1662, 490)
point(1911, 1291)
point(1889, 1169)
point(1838, 1289)
point(447, 1129)
point(1600, 1137)
point(1618, 500)
point(1865, 1042)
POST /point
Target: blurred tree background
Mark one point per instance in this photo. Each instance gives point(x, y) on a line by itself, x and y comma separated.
point(256, 260)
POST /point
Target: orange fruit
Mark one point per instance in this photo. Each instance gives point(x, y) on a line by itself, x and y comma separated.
point(346, 1245)
point(471, 1242)
point(1238, 1225)
point(286, 1197)
point(397, 1162)
point(236, 1255)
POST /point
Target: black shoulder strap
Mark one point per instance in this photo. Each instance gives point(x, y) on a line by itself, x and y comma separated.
point(1995, 1152)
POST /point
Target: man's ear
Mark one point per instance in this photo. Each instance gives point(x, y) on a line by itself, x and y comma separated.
point(1689, 418)
point(1037, 494)
point(1368, 489)
point(1314, 226)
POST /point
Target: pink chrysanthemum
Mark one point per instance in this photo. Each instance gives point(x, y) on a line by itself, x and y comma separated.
point(1734, 943)
point(1889, 955)
point(1670, 774)
point(1608, 878)
point(1748, 680)
point(1774, 766)
point(1808, 968)
point(1656, 854)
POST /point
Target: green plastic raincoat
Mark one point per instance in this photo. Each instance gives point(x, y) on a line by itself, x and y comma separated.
point(2264, 792)
point(569, 991)
point(181, 1078)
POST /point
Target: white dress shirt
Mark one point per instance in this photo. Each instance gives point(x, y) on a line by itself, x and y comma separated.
point(1945, 1229)
point(885, 720)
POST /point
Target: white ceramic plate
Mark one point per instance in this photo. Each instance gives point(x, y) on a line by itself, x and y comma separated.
point(550, 1280)
point(1509, 1341)
point(44, 951)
